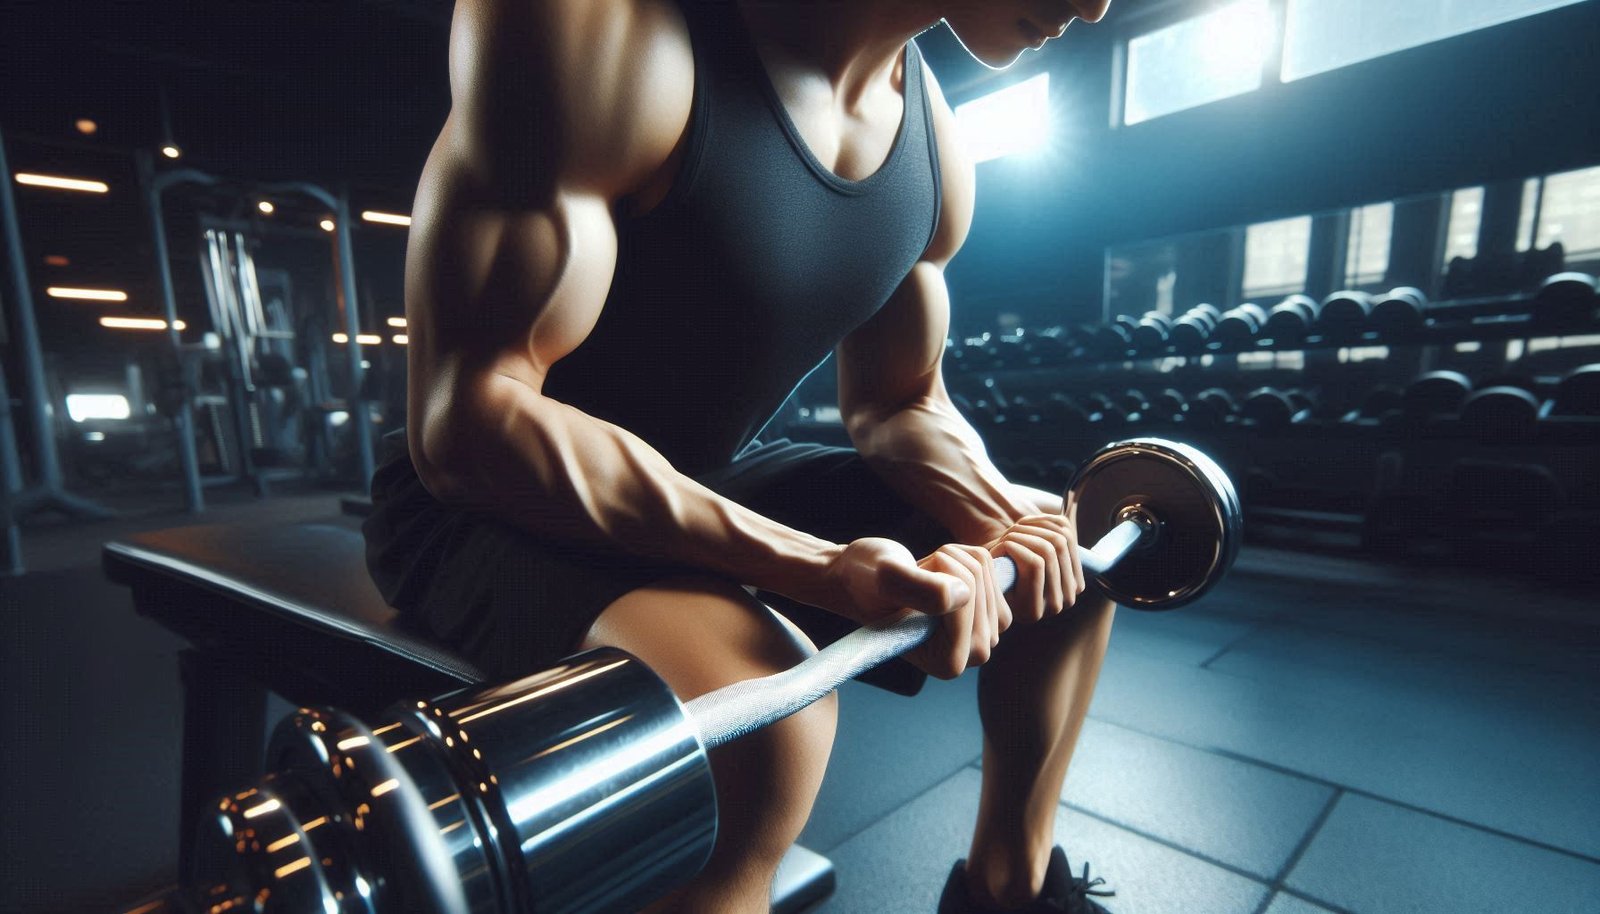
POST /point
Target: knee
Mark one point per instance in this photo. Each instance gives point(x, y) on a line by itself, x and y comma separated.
point(700, 634)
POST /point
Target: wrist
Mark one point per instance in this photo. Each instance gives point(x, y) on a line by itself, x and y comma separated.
point(801, 572)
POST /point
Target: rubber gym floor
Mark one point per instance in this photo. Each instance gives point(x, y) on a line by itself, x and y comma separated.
point(1323, 733)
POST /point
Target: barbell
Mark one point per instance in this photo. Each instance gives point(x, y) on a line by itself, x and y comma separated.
point(587, 786)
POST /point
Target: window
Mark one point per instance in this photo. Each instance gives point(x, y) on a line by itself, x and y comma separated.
point(1209, 57)
point(1530, 213)
point(1569, 212)
point(1008, 121)
point(1275, 255)
point(1466, 214)
point(1323, 35)
point(1367, 251)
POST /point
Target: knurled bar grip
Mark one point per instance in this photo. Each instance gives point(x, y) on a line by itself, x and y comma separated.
point(745, 707)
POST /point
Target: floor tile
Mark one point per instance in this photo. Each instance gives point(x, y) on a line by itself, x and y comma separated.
point(1484, 764)
point(900, 864)
point(1373, 857)
point(1220, 808)
point(1176, 637)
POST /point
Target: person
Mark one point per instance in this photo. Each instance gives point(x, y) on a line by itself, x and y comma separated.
point(643, 223)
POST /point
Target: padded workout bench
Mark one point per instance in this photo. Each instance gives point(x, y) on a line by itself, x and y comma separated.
point(292, 609)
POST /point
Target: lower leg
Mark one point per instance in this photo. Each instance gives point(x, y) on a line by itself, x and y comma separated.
point(1033, 695)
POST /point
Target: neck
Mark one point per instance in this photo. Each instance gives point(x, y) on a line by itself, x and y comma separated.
point(852, 42)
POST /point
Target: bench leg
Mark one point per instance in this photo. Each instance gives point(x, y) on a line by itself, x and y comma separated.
point(224, 719)
point(804, 878)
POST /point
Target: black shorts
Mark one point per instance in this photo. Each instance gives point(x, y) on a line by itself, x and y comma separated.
point(512, 603)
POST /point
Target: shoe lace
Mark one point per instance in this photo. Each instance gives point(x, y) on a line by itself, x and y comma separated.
point(1083, 886)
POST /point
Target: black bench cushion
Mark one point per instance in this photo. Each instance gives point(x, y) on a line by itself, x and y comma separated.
point(293, 605)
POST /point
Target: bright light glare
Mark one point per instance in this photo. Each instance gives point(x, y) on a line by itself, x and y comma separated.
point(83, 407)
point(1204, 59)
point(396, 322)
point(59, 183)
point(86, 294)
point(365, 339)
point(170, 152)
point(266, 207)
point(87, 127)
point(327, 225)
point(1012, 120)
point(400, 339)
point(386, 218)
point(138, 323)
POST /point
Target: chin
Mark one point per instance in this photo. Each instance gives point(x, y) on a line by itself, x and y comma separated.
point(994, 55)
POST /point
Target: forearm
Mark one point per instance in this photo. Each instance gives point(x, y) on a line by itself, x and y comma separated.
point(933, 458)
point(560, 473)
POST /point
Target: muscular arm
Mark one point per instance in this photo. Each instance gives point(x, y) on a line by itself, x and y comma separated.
point(561, 110)
point(891, 387)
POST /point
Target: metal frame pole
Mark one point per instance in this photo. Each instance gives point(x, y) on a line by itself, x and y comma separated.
point(340, 206)
point(352, 317)
point(51, 491)
point(10, 535)
point(193, 493)
point(37, 404)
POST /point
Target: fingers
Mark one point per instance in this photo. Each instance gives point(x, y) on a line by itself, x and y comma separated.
point(926, 591)
point(968, 635)
point(1049, 572)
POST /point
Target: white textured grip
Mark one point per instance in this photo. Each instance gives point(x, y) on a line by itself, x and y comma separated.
point(745, 707)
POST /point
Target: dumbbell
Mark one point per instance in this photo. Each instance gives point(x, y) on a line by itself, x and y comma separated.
point(1290, 321)
point(1566, 301)
point(1435, 393)
point(1132, 401)
point(1240, 326)
point(1343, 316)
point(1397, 314)
point(1193, 329)
point(1167, 406)
point(1212, 407)
point(1268, 408)
point(587, 786)
point(1152, 332)
point(1112, 339)
point(1500, 415)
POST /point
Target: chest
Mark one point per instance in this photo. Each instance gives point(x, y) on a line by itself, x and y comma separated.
point(850, 137)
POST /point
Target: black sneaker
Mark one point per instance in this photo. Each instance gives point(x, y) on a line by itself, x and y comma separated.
point(1063, 893)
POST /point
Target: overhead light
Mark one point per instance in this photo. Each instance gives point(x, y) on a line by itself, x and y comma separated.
point(341, 338)
point(86, 294)
point(86, 126)
point(397, 322)
point(56, 260)
point(83, 407)
point(400, 339)
point(138, 323)
point(327, 225)
point(266, 207)
point(365, 339)
point(59, 183)
point(170, 151)
point(386, 218)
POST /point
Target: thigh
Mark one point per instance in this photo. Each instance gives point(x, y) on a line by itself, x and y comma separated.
point(699, 633)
